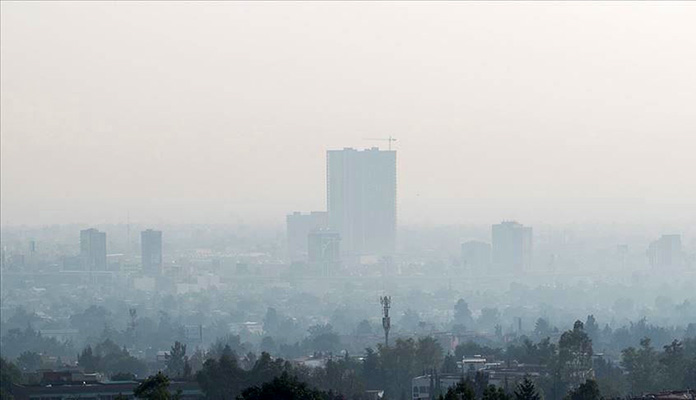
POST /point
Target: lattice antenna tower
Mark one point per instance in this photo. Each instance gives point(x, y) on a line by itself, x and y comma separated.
point(385, 301)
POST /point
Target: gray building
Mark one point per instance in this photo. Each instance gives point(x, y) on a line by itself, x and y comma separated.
point(511, 247)
point(298, 227)
point(476, 256)
point(361, 200)
point(151, 251)
point(324, 250)
point(93, 249)
point(665, 252)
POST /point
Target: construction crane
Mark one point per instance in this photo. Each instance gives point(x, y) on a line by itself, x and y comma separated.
point(389, 139)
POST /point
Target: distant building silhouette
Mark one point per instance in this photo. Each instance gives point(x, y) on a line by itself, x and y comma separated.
point(298, 227)
point(511, 247)
point(476, 256)
point(361, 199)
point(324, 250)
point(666, 252)
point(151, 251)
point(93, 249)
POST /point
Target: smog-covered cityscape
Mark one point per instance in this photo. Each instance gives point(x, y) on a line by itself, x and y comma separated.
point(330, 200)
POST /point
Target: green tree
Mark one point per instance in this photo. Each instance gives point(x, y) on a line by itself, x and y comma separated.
point(542, 328)
point(493, 393)
point(266, 368)
point(29, 361)
point(176, 359)
point(371, 372)
point(526, 390)
point(586, 391)
point(154, 388)
point(592, 328)
point(364, 328)
point(462, 314)
point(461, 391)
point(428, 354)
point(88, 360)
point(284, 387)
point(449, 365)
point(398, 366)
point(92, 321)
point(221, 378)
point(323, 338)
point(610, 378)
point(470, 349)
point(674, 363)
point(642, 367)
point(574, 355)
point(9, 376)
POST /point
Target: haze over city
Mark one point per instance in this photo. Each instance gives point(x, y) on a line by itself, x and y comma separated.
point(347, 200)
point(548, 112)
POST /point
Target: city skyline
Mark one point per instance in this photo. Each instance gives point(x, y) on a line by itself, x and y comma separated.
point(347, 200)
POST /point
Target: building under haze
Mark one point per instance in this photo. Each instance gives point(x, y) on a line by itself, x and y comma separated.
point(511, 250)
point(93, 249)
point(151, 251)
point(324, 250)
point(476, 256)
point(665, 252)
point(298, 227)
point(361, 200)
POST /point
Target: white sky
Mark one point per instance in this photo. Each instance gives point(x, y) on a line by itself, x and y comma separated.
point(222, 112)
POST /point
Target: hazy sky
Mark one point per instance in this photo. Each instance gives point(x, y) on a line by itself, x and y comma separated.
point(222, 112)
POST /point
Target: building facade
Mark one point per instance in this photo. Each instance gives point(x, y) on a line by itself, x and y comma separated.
point(476, 256)
point(361, 200)
point(324, 251)
point(298, 227)
point(151, 251)
point(666, 252)
point(511, 247)
point(93, 250)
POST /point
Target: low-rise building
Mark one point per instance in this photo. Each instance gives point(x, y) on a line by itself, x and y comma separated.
point(426, 386)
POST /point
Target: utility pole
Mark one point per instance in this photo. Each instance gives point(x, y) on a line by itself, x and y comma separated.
point(385, 301)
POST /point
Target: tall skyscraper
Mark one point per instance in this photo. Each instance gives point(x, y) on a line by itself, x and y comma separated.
point(298, 227)
point(511, 247)
point(93, 249)
point(151, 251)
point(361, 199)
point(476, 256)
point(666, 252)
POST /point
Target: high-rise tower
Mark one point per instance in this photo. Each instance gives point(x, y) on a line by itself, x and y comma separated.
point(665, 252)
point(151, 251)
point(511, 247)
point(361, 199)
point(93, 249)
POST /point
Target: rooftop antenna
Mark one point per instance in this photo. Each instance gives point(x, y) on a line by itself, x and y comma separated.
point(134, 316)
point(389, 139)
point(385, 301)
